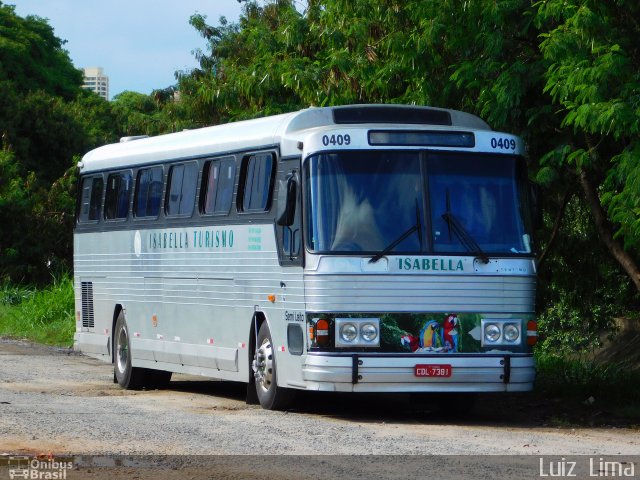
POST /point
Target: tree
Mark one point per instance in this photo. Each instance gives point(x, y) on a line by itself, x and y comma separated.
point(564, 75)
point(594, 77)
point(33, 57)
point(46, 122)
point(251, 68)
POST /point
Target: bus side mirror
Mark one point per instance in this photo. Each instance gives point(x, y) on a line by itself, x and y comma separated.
point(535, 193)
point(287, 194)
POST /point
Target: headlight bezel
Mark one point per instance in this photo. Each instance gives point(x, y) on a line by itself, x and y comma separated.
point(503, 326)
point(360, 340)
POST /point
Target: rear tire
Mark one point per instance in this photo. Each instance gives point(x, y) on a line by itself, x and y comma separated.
point(270, 396)
point(127, 376)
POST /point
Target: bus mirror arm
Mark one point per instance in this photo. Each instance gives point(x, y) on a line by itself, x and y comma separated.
point(286, 208)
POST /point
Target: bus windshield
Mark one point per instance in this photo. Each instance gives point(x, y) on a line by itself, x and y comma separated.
point(415, 203)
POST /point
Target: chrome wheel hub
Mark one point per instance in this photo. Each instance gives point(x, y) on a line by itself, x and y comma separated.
point(122, 353)
point(263, 365)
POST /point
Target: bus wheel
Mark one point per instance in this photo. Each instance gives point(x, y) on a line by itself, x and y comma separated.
point(131, 378)
point(270, 396)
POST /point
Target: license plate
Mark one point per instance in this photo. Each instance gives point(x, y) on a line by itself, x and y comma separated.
point(432, 370)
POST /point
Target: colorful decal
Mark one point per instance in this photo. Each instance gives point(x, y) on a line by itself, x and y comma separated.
point(434, 337)
point(431, 333)
point(409, 342)
point(430, 336)
point(451, 333)
point(422, 333)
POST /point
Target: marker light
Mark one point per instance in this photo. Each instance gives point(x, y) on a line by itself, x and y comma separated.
point(322, 332)
point(532, 332)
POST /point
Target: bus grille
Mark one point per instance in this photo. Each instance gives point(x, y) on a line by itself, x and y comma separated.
point(87, 304)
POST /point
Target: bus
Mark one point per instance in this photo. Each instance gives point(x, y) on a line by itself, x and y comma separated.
point(360, 248)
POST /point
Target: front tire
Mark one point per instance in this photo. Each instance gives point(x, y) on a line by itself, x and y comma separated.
point(270, 396)
point(127, 376)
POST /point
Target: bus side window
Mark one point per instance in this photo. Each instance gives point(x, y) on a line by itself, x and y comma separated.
point(148, 192)
point(116, 203)
point(91, 201)
point(257, 183)
point(225, 185)
point(181, 191)
point(217, 186)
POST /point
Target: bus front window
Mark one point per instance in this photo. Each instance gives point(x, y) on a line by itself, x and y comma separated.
point(362, 201)
point(484, 196)
point(370, 202)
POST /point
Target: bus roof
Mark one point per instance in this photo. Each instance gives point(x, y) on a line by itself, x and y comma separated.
point(285, 130)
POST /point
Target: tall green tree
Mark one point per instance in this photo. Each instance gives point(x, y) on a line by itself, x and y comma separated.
point(593, 77)
point(33, 58)
point(564, 75)
point(46, 122)
point(249, 69)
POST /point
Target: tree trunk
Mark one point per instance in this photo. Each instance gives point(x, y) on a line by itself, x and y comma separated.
point(556, 227)
point(605, 230)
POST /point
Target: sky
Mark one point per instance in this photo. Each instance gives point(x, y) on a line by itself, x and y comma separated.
point(139, 43)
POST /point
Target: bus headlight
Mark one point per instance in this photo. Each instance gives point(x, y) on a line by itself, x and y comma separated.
point(369, 332)
point(492, 332)
point(348, 332)
point(511, 332)
point(357, 332)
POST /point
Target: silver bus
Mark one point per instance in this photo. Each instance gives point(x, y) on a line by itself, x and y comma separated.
point(363, 248)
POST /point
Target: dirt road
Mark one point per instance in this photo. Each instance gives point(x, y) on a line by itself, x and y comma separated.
point(53, 400)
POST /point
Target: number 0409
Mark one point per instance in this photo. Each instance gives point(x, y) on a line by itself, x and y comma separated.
point(503, 143)
point(338, 139)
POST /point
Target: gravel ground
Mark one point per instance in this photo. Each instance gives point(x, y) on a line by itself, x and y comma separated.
point(54, 400)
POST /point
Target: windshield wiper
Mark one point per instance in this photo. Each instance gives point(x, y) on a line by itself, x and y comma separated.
point(416, 228)
point(465, 238)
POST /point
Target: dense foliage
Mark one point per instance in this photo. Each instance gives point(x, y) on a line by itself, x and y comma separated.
point(47, 122)
point(564, 74)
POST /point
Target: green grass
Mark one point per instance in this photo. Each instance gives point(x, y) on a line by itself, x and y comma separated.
point(43, 316)
point(609, 384)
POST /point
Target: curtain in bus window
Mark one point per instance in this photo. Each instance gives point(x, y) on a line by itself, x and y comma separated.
point(91, 200)
point(257, 184)
point(117, 197)
point(221, 176)
point(95, 204)
point(148, 192)
point(213, 176)
point(226, 183)
point(182, 189)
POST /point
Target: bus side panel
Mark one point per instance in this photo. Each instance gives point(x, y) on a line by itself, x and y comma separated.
point(188, 294)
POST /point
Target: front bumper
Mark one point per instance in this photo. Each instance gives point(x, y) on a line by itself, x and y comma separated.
point(361, 372)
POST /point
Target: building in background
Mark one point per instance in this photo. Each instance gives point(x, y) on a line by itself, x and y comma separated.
point(96, 81)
